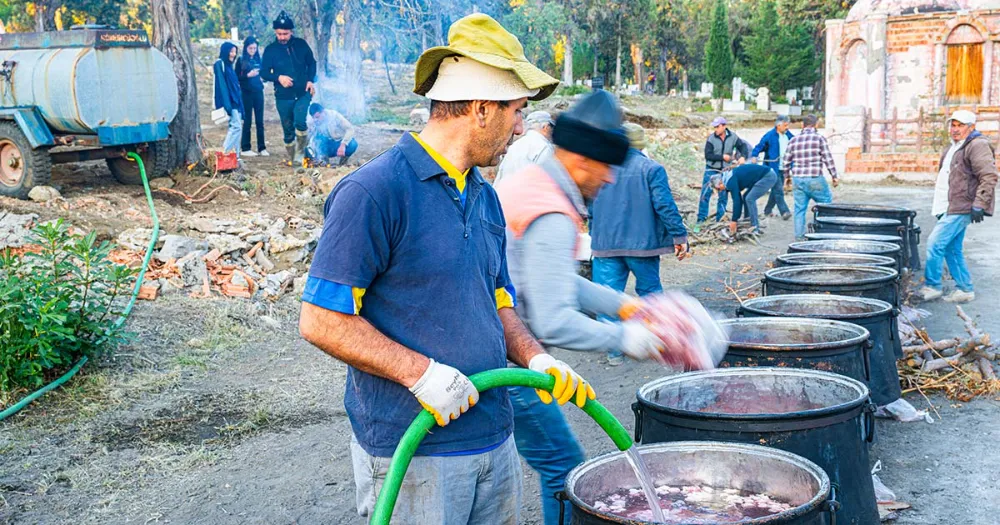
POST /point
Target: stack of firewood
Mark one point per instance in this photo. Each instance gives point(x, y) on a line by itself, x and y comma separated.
point(719, 232)
point(961, 367)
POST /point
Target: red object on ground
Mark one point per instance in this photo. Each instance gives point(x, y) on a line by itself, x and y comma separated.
point(226, 161)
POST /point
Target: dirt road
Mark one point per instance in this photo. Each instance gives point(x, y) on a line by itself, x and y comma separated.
point(216, 414)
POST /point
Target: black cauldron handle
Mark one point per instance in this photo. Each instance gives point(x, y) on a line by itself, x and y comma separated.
point(866, 350)
point(832, 505)
point(894, 324)
point(869, 421)
point(637, 410)
point(763, 286)
point(561, 497)
point(739, 311)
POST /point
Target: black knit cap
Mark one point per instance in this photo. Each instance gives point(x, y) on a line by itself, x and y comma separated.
point(283, 21)
point(593, 128)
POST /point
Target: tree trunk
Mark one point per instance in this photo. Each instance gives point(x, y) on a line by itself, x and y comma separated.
point(352, 82)
point(39, 18)
point(618, 59)
point(172, 36)
point(568, 61)
point(663, 86)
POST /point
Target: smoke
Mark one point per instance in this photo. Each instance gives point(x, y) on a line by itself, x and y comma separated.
point(341, 86)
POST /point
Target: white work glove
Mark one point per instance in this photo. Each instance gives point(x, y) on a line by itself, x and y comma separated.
point(639, 343)
point(569, 384)
point(445, 392)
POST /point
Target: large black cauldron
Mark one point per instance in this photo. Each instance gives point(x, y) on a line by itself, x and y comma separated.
point(722, 465)
point(903, 215)
point(834, 258)
point(855, 281)
point(878, 317)
point(850, 246)
point(823, 417)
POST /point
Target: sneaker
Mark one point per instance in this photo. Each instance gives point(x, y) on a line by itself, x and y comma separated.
point(264, 153)
point(787, 215)
point(959, 296)
point(249, 153)
point(615, 359)
point(697, 228)
point(929, 294)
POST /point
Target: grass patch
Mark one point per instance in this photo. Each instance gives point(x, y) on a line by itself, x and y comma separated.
point(387, 115)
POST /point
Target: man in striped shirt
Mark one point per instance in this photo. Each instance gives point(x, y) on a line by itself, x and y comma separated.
point(805, 158)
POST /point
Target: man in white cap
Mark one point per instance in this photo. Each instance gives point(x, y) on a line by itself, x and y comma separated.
point(963, 194)
point(535, 144)
point(723, 150)
point(410, 288)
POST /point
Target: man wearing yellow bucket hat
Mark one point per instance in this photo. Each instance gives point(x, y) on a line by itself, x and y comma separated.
point(410, 288)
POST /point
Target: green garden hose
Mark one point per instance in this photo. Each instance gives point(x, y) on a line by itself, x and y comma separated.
point(15, 408)
point(483, 381)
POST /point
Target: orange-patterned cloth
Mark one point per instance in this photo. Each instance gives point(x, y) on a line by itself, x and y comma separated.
point(531, 193)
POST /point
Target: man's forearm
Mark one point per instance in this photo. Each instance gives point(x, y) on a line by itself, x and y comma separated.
point(521, 345)
point(353, 340)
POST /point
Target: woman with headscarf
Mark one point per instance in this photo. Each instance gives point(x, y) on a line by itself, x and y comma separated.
point(252, 88)
point(228, 96)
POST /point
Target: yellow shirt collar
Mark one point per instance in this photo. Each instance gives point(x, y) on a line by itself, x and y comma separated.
point(448, 167)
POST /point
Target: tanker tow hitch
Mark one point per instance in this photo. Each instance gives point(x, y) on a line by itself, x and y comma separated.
point(7, 69)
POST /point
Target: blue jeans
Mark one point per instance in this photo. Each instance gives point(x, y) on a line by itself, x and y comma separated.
point(478, 489)
point(547, 444)
point(327, 147)
point(945, 245)
point(805, 188)
point(231, 144)
point(777, 197)
point(613, 272)
point(706, 197)
point(763, 187)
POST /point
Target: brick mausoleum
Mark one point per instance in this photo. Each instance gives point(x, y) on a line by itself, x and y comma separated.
point(895, 69)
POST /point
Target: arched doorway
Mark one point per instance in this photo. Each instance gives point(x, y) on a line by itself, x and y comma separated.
point(964, 66)
point(855, 88)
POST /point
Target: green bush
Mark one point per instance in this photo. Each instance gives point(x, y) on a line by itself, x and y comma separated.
point(569, 91)
point(57, 305)
point(380, 114)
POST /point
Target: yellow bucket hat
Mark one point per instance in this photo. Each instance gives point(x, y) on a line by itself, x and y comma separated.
point(484, 40)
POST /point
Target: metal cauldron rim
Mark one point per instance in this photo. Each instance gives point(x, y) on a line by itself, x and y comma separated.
point(861, 333)
point(886, 247)
point(885, 308)
point(869, 221)
point(823, 480)
point(857, 206)
point(885, 274)
point(862, 389)
point(871, 237)
point(873, 259)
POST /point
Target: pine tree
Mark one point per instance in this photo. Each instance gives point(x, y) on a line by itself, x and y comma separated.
point(779, 57)
point(718, 52)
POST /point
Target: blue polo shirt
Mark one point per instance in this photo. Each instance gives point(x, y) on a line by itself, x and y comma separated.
point(429, 266)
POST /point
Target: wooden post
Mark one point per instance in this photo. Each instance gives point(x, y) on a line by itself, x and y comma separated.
point(866, 131)
point(920, 131)
point(892, 130)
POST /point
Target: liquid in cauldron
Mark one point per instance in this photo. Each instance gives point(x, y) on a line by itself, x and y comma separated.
point(746, 399)
point(692, 504)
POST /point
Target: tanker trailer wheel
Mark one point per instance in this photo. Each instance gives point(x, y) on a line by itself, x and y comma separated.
point(21, 167)
point(154, 158)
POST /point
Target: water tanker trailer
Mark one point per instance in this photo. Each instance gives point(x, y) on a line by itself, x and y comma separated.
point(78, 95)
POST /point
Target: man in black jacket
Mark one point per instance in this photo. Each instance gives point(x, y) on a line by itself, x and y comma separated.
point(722, 149)
point(289, 63)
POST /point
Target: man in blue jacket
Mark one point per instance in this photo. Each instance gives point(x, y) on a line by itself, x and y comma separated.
point(634, 220)
point(773, 145)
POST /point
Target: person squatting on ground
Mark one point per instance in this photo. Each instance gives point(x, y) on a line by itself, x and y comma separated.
point(963, 194)
point(331, 135)
point(722, 149)
point(745, 185)
point(802, 165)
point(228, 97)
point(252, 92)
point(410, 288)
point(773, 145)
point(289, 63)
point(633, 221)
point(545, 209)
point(531, 147)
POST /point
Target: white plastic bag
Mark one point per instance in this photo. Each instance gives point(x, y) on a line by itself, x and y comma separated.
point(902, 410)
point(882, 493)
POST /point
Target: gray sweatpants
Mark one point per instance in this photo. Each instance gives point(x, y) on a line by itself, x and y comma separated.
point(481, 489)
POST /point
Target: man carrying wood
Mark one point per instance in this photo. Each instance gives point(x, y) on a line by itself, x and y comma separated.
point(410, 288)
point(723, 149)
point(963, 194)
